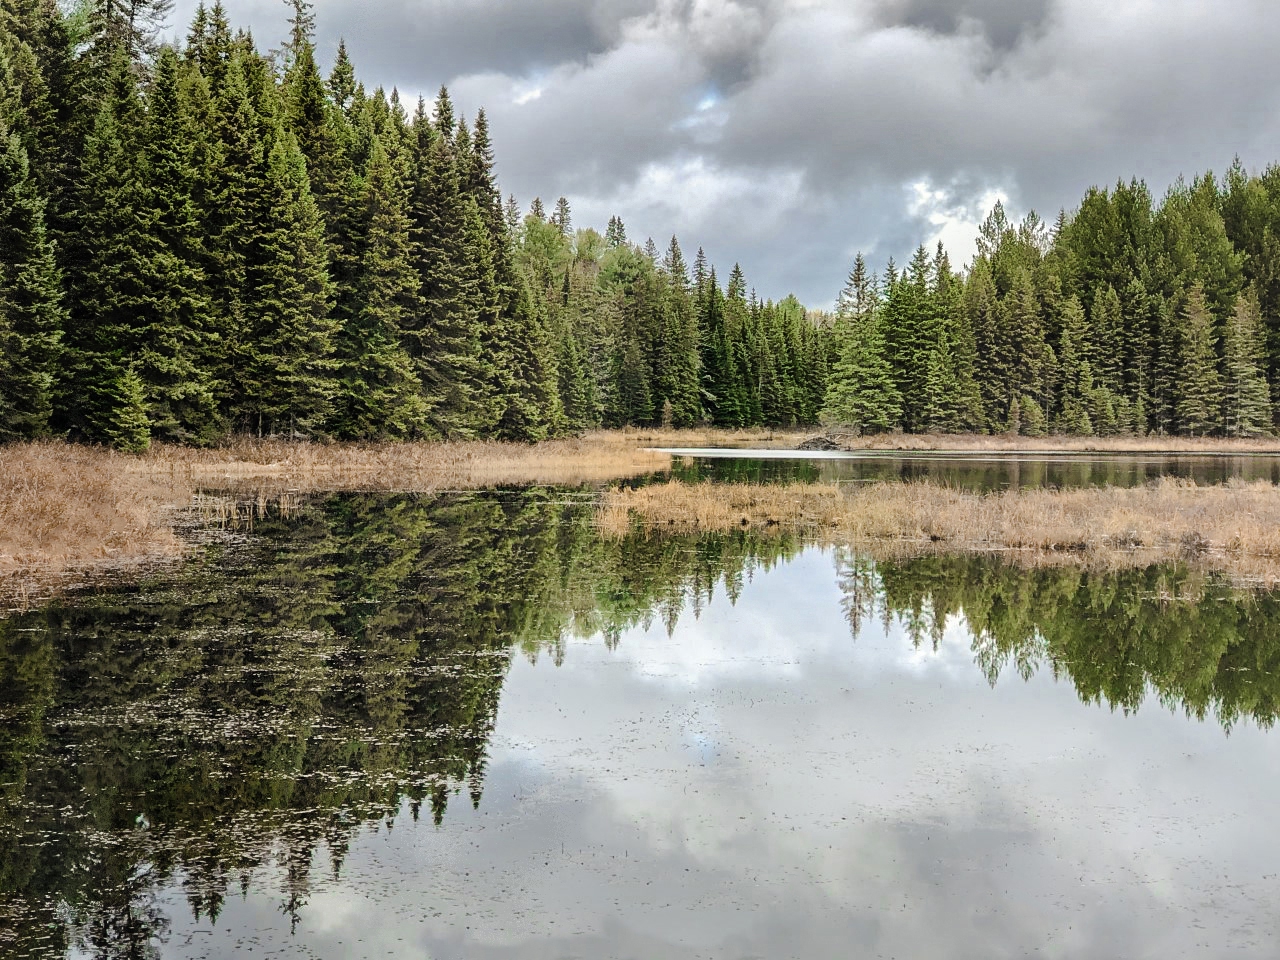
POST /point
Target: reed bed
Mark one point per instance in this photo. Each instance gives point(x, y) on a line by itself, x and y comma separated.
point(1234, 527)
point(1008, 443)
point(66, 510)
point(280, 466)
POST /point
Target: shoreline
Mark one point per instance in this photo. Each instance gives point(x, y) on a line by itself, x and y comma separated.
point(1232, 528)
point(71, 513)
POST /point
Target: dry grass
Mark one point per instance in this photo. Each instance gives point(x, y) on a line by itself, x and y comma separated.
point(278, 466)
point(766, 438)
point(66, 510)
point(1004, 443)
point(1234, 527)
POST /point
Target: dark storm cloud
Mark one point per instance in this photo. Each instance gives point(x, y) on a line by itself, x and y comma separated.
point(788, 134)
point(1002, 22)
point(446, 38)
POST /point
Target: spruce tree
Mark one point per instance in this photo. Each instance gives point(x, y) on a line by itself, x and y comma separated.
point(380, 395)
point(98, 390)
point(174, 316)
point(31, 312)
point(1075, 369)
point(1198, 404)
point(1246, 396)
point(443, 337)
point(861, 393)
point(288, 374)
point(1106, 346)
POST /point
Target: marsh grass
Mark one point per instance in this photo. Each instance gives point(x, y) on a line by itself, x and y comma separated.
point(66, 510)
point(1004, 443)
point(1234, 527)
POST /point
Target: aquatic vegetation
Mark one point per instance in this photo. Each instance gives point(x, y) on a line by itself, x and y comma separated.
point(1233, 527)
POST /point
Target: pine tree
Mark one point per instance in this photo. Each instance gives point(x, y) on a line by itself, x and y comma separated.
point(1247, 398)
point(1198, 403)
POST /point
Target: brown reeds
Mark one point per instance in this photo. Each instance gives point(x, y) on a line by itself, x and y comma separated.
point(1012, 443)
point(67, 509)
point(1234, 527)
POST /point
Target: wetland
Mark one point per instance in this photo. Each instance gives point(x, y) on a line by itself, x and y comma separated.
point(481, 724)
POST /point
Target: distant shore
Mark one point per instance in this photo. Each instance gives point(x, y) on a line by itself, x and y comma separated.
point(69, 511)
point(1233, 528)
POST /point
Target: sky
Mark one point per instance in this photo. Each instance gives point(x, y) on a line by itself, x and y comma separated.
point(787, 135)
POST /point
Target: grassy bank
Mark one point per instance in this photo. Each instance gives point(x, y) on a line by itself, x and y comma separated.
point(1009, 443)
point(67, 509)
point(1235, 527)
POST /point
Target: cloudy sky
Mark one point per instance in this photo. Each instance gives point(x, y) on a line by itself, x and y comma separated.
point(789, 134)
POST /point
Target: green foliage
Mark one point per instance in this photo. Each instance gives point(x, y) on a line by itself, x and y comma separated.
point(31, 315)
point(268, 249)
point(861, 392)
point(1246, 396)
point(1197, 408)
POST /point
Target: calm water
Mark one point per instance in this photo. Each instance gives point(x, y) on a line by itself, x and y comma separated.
point(468, 727)
point(969, 471)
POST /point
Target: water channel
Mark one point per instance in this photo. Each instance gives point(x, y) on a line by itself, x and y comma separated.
point(970, 471)
point(468, 726)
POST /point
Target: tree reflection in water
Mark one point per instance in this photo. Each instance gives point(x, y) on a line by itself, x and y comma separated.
point(343, 667)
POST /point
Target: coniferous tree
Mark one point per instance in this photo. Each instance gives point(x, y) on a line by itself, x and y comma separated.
point(176, 326)
point(443, 336)
point(1246, 396)
point(862, 393)
point(99, 389)
point(380, 395)
point(31, 313)
point(288, 373)
point(1198, 403)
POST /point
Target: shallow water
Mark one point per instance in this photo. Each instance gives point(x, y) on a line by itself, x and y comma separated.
point(976, 471)
point(466, 726)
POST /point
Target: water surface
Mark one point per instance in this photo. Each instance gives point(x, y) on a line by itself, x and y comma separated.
point(971, 471)
point(467, 726)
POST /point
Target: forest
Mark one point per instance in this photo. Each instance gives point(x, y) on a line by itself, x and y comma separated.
point(202, 239)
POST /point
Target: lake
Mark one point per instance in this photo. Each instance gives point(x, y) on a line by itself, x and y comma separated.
point(969, 471)
point(467, 725)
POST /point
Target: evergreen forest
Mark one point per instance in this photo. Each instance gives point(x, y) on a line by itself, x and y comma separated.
point(200, 239)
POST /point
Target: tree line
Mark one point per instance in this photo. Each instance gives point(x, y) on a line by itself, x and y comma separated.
point(1127, 316)
point(199, 239)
